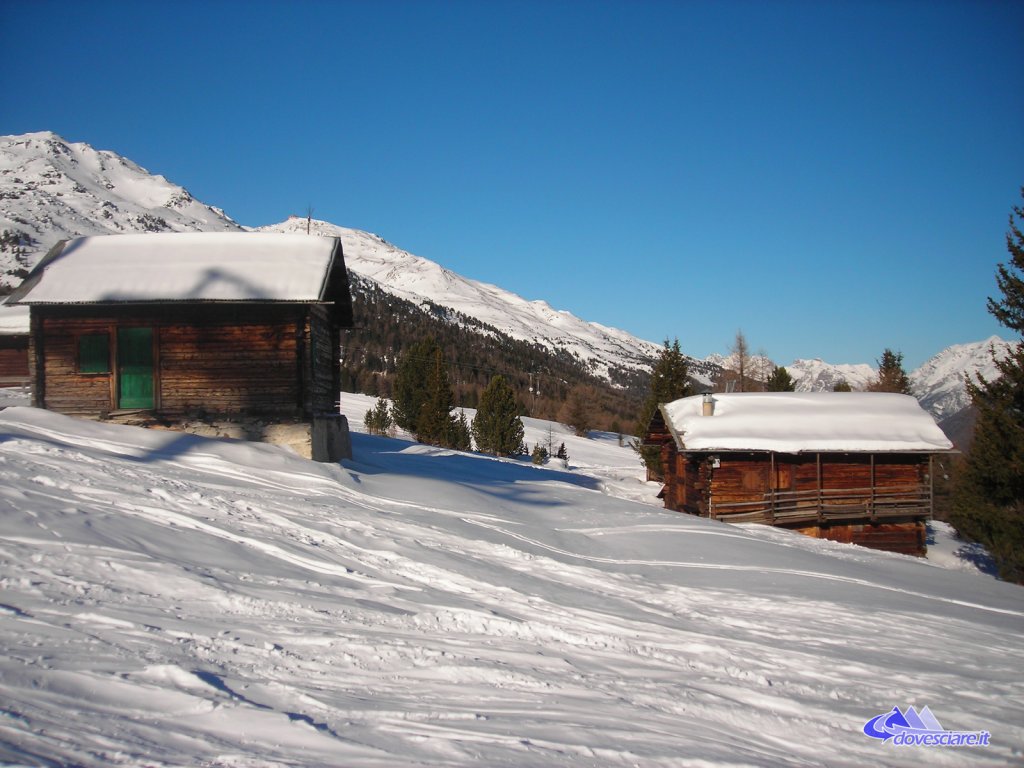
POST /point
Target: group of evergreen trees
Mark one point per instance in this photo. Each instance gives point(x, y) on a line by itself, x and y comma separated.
point(386, 327)
point(423, 404)
point(423, 399)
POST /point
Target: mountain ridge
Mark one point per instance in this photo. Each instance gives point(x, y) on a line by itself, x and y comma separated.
point(51, 189)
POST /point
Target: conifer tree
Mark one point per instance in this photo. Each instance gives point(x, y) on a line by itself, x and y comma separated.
point(378, 419)
point(539, 455)
point(842, 386)
point(497, 427)
point(461, 440)
point(670, 381)
point(988, 500)
point(410, 388)
point(780, 381)
point(435, 424)
point(423, 395)
point(891, 376)
point(1009, 311)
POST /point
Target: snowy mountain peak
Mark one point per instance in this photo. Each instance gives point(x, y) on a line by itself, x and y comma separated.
point(939, 383)
point(51, 189)
point(815, 375)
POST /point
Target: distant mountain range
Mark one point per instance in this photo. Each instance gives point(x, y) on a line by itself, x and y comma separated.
point(51, 189)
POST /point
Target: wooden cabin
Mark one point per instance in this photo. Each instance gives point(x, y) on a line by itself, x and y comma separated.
point(851, 467)
point(233, 334)
point(14, 326)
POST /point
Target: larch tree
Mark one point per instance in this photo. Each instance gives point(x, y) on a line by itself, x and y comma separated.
point(988, 500)
point(576, 413)
point(741, 351)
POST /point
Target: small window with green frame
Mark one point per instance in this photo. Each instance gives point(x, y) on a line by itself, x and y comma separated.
point(94, 353)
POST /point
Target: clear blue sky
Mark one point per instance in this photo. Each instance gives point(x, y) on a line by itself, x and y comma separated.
point(833, 178)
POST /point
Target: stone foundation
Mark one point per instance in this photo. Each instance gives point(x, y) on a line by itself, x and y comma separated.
point(325, 439)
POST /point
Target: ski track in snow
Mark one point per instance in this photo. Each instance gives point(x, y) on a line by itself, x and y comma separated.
point(174, 601)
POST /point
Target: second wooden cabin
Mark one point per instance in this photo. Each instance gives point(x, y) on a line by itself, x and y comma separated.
point(851, 467)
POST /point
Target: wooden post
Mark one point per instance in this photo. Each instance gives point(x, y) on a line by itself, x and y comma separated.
point(871, 498)
point(821, 500)
point(931, 485)
point(37, 358)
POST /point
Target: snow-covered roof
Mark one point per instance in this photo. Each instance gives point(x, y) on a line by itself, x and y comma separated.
point(795, 422)
point(191, 266)
point(14, 321)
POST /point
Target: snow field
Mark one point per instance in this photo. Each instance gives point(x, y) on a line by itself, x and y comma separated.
point(173, 600)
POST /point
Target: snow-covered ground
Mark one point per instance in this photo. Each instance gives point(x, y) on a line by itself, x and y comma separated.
point(173, 600)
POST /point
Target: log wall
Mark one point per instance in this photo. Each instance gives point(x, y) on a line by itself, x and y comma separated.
point(878, 500)
point(13, 357)
point(209, 359)
point(323, 363)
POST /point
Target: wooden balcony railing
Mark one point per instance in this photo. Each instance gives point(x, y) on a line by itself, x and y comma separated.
point(825, 505)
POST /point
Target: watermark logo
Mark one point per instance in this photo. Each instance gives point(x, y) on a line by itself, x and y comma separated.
point(911, 728)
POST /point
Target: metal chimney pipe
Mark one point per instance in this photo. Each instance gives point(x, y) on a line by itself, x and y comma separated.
point(708, 405)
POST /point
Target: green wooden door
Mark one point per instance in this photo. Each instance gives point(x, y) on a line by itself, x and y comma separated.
point(135, 367)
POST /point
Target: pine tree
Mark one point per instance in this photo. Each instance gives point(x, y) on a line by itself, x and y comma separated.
point(780, 381)
point(497, 427)
point(461, 440)
point(842, 386)
point(378, 419)
point(539, 455)
point(435, 424)
point(410, 388)
point(1010, 278)
point(988, 500)
point(891, 376)
point(670, 381)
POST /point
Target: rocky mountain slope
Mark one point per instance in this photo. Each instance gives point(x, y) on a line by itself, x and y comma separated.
point(818, 376)
point(939, 383)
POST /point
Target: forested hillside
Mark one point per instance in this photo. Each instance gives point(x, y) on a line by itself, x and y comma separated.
point(386, 326)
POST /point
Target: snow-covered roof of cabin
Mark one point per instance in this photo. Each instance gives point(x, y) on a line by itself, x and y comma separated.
point(14, 321)
point(795, 422)
point(189, 266)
